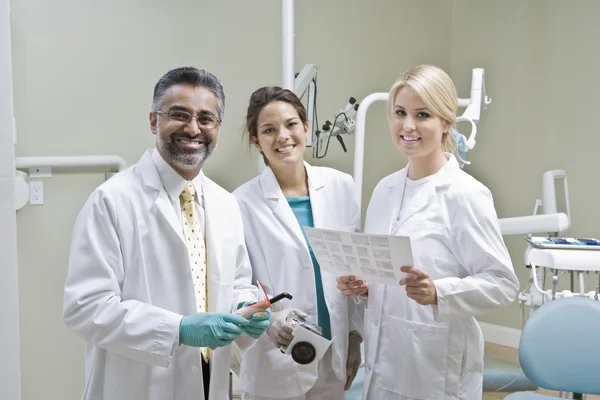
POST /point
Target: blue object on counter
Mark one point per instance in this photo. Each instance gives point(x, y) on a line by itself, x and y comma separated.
point(589, 242)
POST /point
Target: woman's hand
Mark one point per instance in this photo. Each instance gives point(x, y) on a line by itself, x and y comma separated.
point(419, 286)
point(352, 287)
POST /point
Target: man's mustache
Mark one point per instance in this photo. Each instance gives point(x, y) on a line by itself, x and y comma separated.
point(202, 138)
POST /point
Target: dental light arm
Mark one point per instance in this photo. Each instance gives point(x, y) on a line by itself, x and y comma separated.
point(305, 82)
point(343, 123)
point(545, 223)
point(478, 100)
point(551, 222)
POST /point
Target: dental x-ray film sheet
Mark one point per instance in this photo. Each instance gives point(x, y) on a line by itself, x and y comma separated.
point(374, 258)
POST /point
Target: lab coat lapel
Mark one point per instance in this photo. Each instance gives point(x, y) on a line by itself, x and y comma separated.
point(162, 205)
point(316, 189)
point(279, 205)
point(214, 239)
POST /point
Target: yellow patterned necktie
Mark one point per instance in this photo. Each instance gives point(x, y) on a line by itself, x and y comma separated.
point(196, 251)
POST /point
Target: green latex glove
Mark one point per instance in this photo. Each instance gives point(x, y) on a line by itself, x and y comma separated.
point(259, 322)
point(211, 329)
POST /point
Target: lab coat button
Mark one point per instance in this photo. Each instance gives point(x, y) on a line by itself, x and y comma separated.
point(376, 322)
point(369, 367)
point(195, 368)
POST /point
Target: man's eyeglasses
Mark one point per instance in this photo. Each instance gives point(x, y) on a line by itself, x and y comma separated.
point(206, 121)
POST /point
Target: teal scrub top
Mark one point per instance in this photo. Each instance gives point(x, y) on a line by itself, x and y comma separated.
point(302, 210)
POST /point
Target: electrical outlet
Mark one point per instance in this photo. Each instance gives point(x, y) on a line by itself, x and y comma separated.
point(36, 193)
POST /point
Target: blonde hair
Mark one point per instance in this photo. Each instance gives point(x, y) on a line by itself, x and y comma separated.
point(437, 91)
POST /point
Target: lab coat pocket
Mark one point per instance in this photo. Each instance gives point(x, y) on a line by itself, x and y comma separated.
point(267, 372)
point(127, 378)
point(414, 359)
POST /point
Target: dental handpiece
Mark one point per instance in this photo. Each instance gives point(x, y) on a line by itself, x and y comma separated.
point(281, 296)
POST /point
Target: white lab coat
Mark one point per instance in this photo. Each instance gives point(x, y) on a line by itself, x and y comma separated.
point(281, 261)
point(436, 352)
point(129, 285)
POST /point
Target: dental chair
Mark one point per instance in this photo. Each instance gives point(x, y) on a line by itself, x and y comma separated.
point(560, 348)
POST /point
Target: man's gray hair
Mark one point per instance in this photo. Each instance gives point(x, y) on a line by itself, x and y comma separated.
point(189, 76)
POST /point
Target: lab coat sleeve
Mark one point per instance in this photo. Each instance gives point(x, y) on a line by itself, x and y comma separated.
point(476, 242)
point(93, 307)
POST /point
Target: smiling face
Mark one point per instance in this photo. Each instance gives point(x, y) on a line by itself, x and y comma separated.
point(280, 135)
point(416, 131)
point(185, 146)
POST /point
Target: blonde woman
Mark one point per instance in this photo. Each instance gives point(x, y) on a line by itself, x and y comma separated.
point(422, 339)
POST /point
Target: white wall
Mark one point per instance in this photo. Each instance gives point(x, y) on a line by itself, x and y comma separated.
point(10, 373)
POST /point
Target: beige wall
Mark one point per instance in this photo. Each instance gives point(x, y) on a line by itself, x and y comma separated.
point(84, 73)
point(541, 73)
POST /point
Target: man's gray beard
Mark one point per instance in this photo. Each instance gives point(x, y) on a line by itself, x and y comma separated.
point(186, 160)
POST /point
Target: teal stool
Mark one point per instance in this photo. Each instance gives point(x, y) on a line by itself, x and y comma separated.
point(504, 376)
point(560, 348)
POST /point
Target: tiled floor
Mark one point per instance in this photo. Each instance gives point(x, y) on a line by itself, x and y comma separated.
point(510, 354)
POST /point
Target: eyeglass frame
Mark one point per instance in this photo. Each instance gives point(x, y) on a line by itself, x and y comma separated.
point(190, 118)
